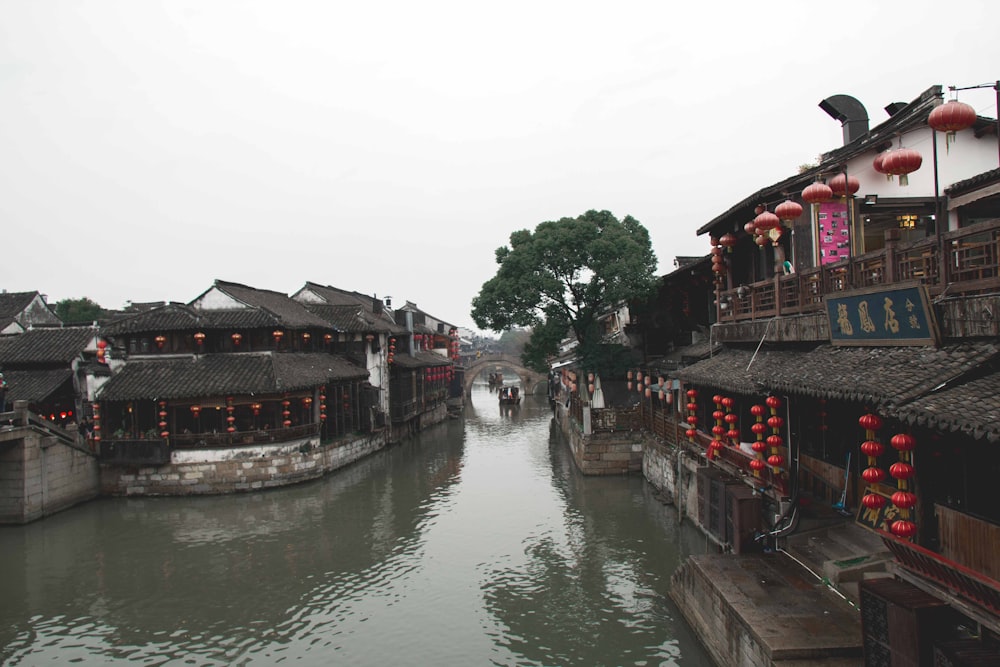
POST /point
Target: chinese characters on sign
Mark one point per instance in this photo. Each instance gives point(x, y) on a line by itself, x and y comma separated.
point(900, 316)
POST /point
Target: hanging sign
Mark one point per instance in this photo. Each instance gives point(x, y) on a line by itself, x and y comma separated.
point(878, 316)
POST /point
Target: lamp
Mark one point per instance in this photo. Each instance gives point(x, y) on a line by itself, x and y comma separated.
point(908, 221)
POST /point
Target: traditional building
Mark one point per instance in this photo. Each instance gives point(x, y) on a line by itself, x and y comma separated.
point(20, 311)
point(854, 363)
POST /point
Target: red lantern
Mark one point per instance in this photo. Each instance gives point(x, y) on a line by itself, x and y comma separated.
point(774, 441)
point(844, 185)
point(732, 418)
point(901, 162)
point(728, 241)
point(762, 240)
point(788, 210)
point(750, 228)
point(757, 410)
point(873, 501)
point(952, 117)
point(900, 470)
point(278, 334)
point(728, 401)
point(692, 393)
point(199, 338)
point(903, 529)
point(758, 209)
point(690, 433)
point(872, 448)
point(718, 415)
point(873, 475)
point(691, 419)
point(775, 460)
point(817, 193)
point(878, 164)
point(237, 337)
point(904, 500)
point(758, 428)
point(718, 430)
point(196, 410)
point(757, 465)
point(773, 402)
point(160, 340)
point(775, 422)
point(904, 442)
point(766, 221)
point(870, 422)
point(733, 435)
point(717, 398)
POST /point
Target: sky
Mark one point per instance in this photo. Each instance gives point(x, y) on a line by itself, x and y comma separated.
point(151, 147)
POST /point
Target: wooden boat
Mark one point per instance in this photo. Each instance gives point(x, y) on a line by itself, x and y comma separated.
point(510, 396)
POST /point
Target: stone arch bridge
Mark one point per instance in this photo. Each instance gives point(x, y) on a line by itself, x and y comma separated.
point(532, 382)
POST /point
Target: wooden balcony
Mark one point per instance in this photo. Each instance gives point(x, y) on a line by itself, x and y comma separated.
point(964, 261)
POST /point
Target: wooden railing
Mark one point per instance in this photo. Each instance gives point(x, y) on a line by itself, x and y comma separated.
point(964, 261)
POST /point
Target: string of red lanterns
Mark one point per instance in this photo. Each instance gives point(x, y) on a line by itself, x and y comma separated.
point(732, 420)
point(230, 417)
point(903, 498)
point(692, 418)
point(759, 447)
point(872, 448)
point(718, 431)
point(164, 433)
point(774, 441)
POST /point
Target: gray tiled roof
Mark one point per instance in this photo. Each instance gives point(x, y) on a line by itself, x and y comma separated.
point(879, 376)
point(972, 408)
point(216, 374)
point(421, 360)
point(181, 317)
point(354, 318)
point(290, 312)
point(13, 303)
point(35, 385)
point(45, 346)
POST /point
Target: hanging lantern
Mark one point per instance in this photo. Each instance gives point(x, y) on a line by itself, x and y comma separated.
point(878, 164)
point(255, 407)
point(842, 185)
point(788, 210)
point(901, 162)
point(199, 338)
point(237, 337)
point(903, 529)
point(817, 193)
point(758, 209)
point(952, 117)
point(101, 347)
point(728, 241)
point(306, 336)
point(327, 338)
point(766, 221)
point(873, 501)
point(160, 341)
point(196, 410)
point(277, 334)
point(759, 447)
point(762, 240)
point(750, 228)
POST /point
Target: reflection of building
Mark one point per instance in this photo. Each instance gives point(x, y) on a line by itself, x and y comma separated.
point(860, 362)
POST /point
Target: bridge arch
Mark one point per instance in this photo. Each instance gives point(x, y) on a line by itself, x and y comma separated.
point(532, 382)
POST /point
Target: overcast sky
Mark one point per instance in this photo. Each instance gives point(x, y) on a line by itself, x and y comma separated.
point(148, 148)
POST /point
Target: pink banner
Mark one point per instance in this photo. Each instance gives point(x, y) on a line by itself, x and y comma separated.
point(834, 232)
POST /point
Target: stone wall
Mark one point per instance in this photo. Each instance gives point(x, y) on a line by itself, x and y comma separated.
point(234, 470)
point(601, 453)
point(41, 475)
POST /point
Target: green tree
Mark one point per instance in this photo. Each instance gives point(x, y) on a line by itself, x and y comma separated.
point(559, 280)
point(78, 310)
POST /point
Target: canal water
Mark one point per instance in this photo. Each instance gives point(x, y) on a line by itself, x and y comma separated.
point(475, 543)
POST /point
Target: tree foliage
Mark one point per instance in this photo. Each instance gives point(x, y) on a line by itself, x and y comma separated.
point(78, 310)
point(559, 280)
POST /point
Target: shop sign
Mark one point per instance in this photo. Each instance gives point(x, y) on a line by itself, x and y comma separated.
point(902, 315)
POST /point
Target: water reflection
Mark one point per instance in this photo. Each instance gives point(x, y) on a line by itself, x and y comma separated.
point(475, 543)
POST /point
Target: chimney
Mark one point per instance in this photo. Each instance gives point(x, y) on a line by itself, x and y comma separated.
point(852, 115)
point(376, 305)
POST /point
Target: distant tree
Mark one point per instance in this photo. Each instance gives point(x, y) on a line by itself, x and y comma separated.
point(559, 279)
point(512, 341)
point(78, 310)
